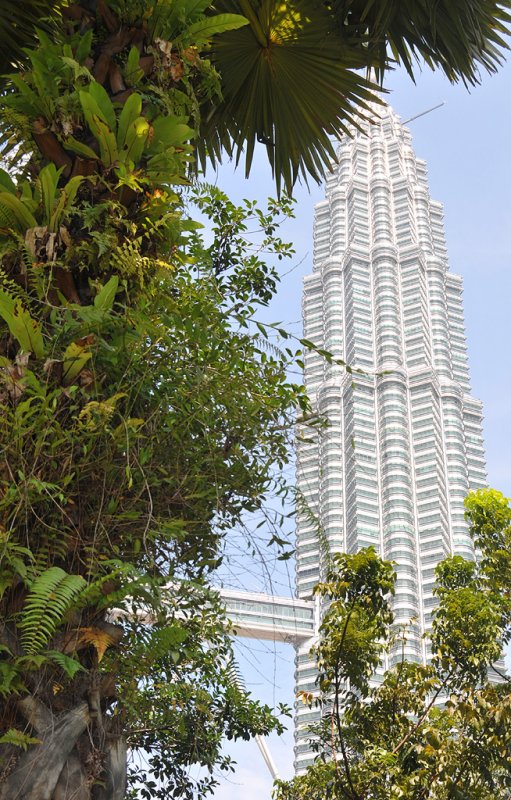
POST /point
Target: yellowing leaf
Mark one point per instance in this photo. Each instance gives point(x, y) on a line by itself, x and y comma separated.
point(97, 637)
point(75, 358)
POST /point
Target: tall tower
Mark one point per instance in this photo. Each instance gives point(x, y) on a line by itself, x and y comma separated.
point(403, 444)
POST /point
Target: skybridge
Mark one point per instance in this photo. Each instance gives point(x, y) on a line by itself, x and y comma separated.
point(262, 616)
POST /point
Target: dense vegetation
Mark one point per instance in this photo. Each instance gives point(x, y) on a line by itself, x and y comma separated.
point(140, 417)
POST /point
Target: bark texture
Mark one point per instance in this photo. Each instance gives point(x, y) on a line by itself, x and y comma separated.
point(74, 759)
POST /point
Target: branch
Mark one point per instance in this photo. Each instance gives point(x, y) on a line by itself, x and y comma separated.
point(421, 718)
point(507, 678)
point(347, 770)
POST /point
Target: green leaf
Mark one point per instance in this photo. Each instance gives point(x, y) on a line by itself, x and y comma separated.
point(131, 110)
point(289, 65)
point(104, 105)
point(65, 201)
point(51, 595)
point(132, 72)
point(78, 147)
point(102, 126)
point(204, 29)
point(104, 299)
point(48, 181)
point(74, 360)
point(84, 46)
point(19, 739)
point(136, 137)
point(6, 182)
point(25, 329)
point(21, 216)
point(169, 132)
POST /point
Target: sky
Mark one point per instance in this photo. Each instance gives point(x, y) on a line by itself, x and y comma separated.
point(467, 147)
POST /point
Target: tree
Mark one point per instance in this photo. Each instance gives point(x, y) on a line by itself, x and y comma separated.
point(140, 416)
point(438, 731)
point(297, 62)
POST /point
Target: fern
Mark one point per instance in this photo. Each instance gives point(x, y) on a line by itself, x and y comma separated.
point(10, 286)
point(50, 597)
point(166, 641)
point(233, 674)
point(18, 739)
point(69, 665)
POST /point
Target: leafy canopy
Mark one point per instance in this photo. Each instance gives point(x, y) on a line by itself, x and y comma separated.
point(293, 76)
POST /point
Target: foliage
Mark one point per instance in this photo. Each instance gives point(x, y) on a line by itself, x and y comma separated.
point(438, 731)
point(141, 416)
point(303, 60)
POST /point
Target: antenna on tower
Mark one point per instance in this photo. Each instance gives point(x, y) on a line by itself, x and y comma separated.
point(434, 108)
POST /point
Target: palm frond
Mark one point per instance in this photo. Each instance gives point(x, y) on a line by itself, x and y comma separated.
point(288, 81)
point(456, 36)
point(18, 24)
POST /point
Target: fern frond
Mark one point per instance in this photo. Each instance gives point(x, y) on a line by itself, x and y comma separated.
point(67, 664)
point(100, 639)
point(51, 548)
point(166, 641)
point(268, 346)
point(18, 739)
point(11, 287)
point(51, 595)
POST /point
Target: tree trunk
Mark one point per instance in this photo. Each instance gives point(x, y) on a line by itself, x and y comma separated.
point(66, 764)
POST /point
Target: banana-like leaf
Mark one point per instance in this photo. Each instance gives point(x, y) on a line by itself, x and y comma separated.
point(25, 329)
point(6, 182)
point(65, 201)
point(136, 137)
point(48, 181)
point(100, 117)
point(104, 299)
point(169, 132)
point(81, 149)
point(108, 151)
point(201, 32)
point(104, 106)
point(131, 110)
point(21, 217)
point(132, 72)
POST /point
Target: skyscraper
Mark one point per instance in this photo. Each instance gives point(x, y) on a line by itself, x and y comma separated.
point(403, 445)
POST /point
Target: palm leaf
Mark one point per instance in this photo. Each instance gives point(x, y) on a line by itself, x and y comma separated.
point(18, 23)
point(457, 36)
point(288, 81)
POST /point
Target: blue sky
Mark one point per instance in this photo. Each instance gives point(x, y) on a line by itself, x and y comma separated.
point(467, 147)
